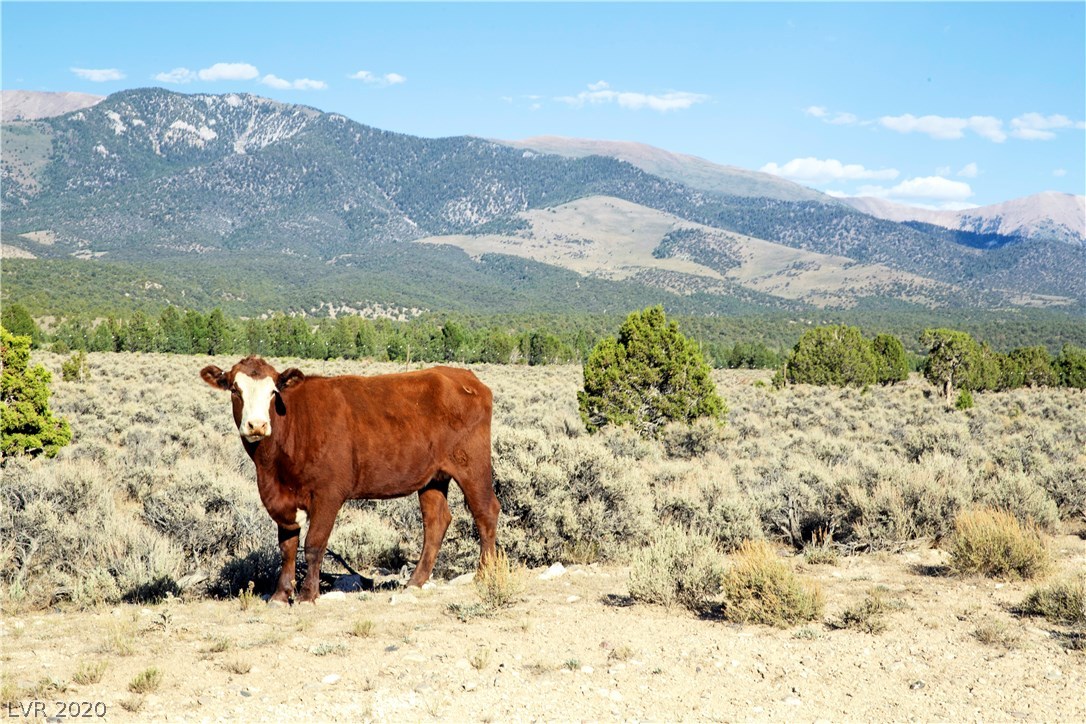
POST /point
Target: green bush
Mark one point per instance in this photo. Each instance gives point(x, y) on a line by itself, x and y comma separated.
point(649, 376)
point(893, 364)
point(676, 567)
point(837, 356)
point(75, 368)
point(1070, 367)
point(964, 401)
point(27, 425)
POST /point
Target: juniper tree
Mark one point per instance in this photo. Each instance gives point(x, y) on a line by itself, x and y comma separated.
point(27, 425)
point(649, 376)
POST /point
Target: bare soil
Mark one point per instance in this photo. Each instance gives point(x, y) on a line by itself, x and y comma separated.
point(571, 648)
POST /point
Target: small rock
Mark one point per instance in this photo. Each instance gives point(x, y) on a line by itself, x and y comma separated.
point(330, 679)
point(572, 599)
point(470, 685)
point(334, 596)
point(555, 571)
point(587, 669)
point(462, 664)
point(463, 579)
point(245, 693)
point(429, 586)
point(792, 701)
point(919, 684)
point(1053, 674)
point(398, 598)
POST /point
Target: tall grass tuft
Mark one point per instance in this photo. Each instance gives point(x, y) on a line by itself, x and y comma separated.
point(994, 543)
point(761, 588)
point(499, 582)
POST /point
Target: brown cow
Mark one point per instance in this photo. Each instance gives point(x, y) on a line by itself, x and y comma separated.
point(319, 441)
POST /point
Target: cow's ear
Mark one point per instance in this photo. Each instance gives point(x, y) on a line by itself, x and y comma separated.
point(289, 377)
point(215, 377)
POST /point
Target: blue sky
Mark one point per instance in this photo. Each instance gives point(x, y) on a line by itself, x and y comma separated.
point(935, 104)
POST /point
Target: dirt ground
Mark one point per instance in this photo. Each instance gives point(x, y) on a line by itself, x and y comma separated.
point(573, 647)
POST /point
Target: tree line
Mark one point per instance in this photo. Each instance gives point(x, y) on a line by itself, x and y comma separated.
point(526, 340)
point(840, 355)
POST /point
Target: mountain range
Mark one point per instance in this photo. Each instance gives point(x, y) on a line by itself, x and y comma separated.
point(153, 177)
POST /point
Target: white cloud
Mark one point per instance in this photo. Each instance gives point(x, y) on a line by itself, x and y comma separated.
point(301, 84)
point(599, 85)
point(98, 75)
point(929, 188)
point(177, 75)
point(229, 71)
point(942, 171)
point(830, 169)
point(969, 170)
point(837, 118)
point(378, 80)
point(664, 102)
point(1059, 172)
point(946, 128)
point(1035, 127)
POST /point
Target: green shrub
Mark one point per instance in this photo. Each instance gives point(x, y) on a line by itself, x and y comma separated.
point(1060, 602)
point(676, 567)
point(964, 401)
point(1070, 367)
point(893, 365)
point(27, 425)
point(75, 368)
point(649, 376)
point(954, 360)
point(837, 356)
point(993, 543)
point(761, 588)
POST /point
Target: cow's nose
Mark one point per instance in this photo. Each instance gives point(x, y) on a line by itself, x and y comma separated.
point(258, 429)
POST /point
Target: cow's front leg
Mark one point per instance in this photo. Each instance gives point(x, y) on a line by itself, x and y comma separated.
point(288, 549)
point(316, 543)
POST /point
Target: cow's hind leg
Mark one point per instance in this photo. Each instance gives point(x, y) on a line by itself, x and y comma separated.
point(477, 482)
point(288, 549)
point(433, 499)
point(321, 520)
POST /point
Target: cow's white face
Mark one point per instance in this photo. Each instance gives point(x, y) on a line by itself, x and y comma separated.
point(256, 401)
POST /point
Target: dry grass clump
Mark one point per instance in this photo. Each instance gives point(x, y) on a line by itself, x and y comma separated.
point(89, 672)
point(994, 543)
point(992, 632)
point(868, 615)
point(761, 588)
point(146, 681)
point(1060, 602)
point(499, 582)
point(676, 567)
